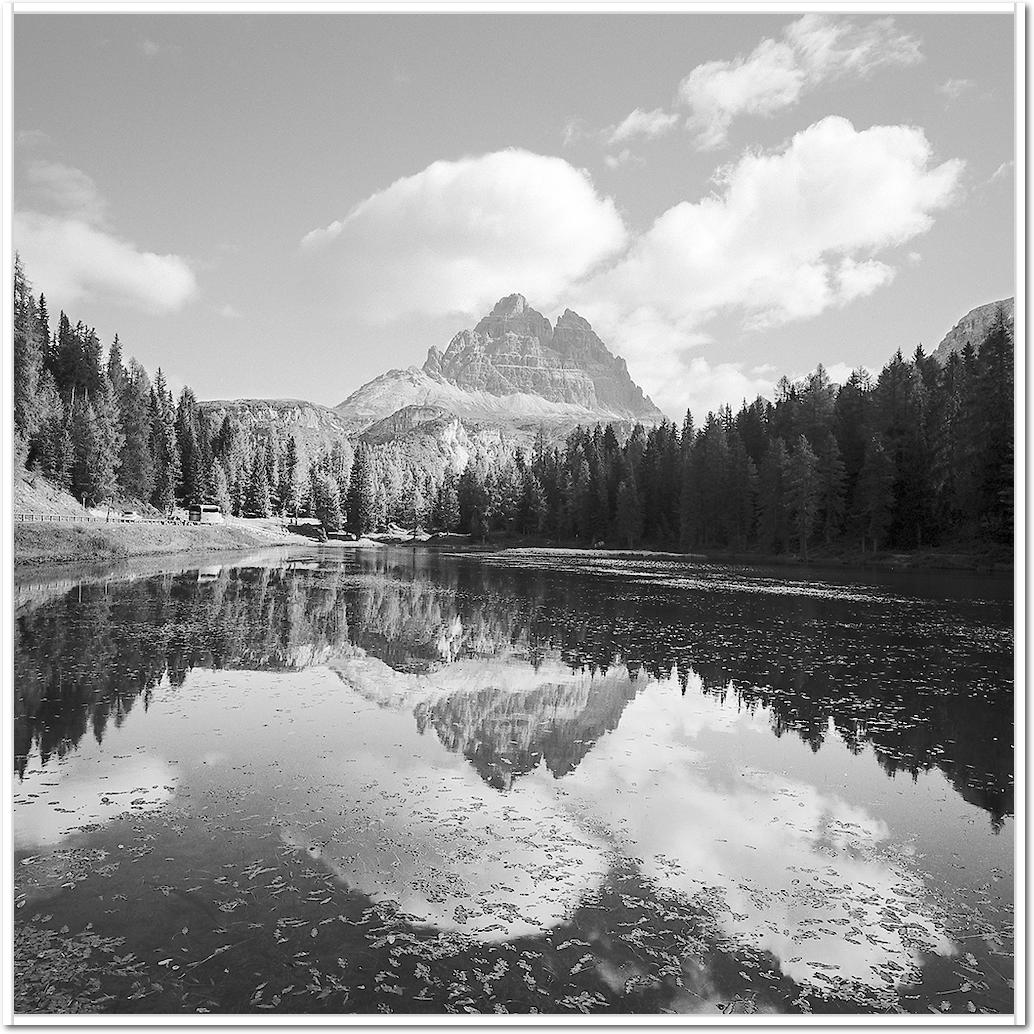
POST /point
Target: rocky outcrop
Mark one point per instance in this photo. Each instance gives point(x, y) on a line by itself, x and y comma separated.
point(407, 420)
point(974, 327)
point(513, 370)
point(314, 427)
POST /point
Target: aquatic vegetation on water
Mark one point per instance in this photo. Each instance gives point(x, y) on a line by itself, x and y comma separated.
point(440, 791)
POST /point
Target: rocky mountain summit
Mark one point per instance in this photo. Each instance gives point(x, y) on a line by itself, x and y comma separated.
point(514, 370)
point(975, 326)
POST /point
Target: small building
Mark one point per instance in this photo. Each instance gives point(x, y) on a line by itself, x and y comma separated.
point(205, 513)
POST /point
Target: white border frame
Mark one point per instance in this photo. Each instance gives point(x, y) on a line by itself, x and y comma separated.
point(1018, 1018)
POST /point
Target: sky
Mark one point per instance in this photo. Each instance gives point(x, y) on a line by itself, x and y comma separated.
point(278, 205)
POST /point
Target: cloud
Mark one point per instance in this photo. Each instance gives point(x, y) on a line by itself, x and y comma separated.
point(955, 88)
point(816, 48)
point(1003, 170)
point(229, 312)
point(641, 123)
point(61, 229)
point(574, 130)
point(51, 185)
point(70, 259)
point(787, 235)
point(623, 157)
point(460, 234)
point(784, 235)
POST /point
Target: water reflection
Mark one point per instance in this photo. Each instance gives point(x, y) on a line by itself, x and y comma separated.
point(925, 682)
point(540, 788)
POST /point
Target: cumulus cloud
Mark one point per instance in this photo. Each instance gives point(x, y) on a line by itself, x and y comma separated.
point(784, 235)
point(51, 185)
point(61, 229)
point(792, 231)
point(74, 260)
point(816, 48)
point(460, 234)
point(641, 123)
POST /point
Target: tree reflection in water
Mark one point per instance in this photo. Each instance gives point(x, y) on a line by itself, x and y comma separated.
point(924, 681)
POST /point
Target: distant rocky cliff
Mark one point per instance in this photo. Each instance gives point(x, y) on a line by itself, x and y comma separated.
point(974, 327)
point(314, 427)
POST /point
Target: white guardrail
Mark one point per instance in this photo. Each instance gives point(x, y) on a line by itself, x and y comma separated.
point(89, 519)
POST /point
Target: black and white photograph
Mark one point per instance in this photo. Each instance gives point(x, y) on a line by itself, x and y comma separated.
point(514, 514)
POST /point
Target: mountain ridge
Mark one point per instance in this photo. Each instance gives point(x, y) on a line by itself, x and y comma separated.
point(515, 370)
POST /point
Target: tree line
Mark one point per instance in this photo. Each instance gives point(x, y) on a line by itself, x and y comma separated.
point(920, 455)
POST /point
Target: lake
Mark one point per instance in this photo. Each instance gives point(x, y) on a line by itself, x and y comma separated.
point(400, 780)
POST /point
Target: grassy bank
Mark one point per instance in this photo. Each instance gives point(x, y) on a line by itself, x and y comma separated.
point(52, 543)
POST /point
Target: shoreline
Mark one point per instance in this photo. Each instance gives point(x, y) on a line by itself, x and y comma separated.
point(47, 544)
point(54, 544)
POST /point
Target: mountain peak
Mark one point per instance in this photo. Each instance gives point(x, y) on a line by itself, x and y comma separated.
point(513, 362)
point(511, 305)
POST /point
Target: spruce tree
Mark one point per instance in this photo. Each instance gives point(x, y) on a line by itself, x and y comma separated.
point(803, 491)
point(629, 516)
point(136, 468)
point(362, 494)
point(874, 496)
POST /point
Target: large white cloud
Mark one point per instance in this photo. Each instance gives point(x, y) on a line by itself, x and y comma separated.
point(62, 230)
point(71, 259)
point(460, 234)
point(777, 72)
point(787, 235)
point(784, 235)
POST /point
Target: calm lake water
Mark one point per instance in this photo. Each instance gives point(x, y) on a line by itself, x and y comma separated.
point(398, 780)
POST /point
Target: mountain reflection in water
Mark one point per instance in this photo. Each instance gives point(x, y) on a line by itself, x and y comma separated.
point(926, 683)
point(654, 782)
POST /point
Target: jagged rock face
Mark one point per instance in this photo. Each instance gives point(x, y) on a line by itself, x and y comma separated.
point(975, 326)
point(515, 349)
point(514, 370)
point(314, 427)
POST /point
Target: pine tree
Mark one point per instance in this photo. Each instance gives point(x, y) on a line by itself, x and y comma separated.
point(115, 369)
point(803, 491)
point(831, 488)
point(446, 514)
point(362, 494)
point(93, 475)
point(326, 501)
point(136, 467)
point(257, 496)
point(629, 517)
point(772, 520)
point(221, 489)
point(111, 440)
point(874, 497)
point(193, 475)
point(289, 490)
point(164, 450)
point(28, 358)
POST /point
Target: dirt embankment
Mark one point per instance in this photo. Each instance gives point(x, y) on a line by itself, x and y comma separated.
point(72, 541)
